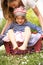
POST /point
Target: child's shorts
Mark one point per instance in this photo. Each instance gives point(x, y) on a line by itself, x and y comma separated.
point(19, 37)
point(34, 38)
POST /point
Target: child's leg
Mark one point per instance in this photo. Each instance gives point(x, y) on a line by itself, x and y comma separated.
point(12, 38)
point(27, 34)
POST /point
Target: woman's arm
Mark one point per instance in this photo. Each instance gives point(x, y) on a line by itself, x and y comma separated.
point(8, 22)
point(39, 16)
point(33, 5)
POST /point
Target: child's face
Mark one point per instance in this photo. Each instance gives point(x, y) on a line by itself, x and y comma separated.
point(14, 3)
point(20, 20)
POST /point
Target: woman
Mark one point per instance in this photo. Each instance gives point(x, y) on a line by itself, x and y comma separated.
point(9, 5)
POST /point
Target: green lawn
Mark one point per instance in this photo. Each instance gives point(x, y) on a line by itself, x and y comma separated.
point(27, 59)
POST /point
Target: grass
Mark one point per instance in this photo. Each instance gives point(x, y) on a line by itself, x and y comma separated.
point(27, 59)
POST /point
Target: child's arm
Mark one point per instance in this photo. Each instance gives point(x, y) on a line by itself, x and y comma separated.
point(35, 27)
point(6, 25)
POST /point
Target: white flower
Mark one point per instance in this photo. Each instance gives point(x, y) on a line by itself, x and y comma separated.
point(25, 57)
point(24, 62)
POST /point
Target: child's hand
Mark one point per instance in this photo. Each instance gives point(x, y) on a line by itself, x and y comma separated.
point(15, 47)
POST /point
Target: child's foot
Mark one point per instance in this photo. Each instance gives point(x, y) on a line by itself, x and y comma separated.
point(22, 47)
point(15, 47)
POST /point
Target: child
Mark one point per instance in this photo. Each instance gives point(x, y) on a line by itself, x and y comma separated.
point(20, 30)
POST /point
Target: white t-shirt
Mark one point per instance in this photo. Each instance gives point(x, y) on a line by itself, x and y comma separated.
point(40, 6)
point(29, 4)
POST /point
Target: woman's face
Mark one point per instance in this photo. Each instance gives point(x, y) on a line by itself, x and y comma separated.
point(14, 3)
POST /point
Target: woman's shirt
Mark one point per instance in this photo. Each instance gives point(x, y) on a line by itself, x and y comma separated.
point(29, 4)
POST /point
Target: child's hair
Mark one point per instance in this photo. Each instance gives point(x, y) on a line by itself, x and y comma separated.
point(20, 11)
point(8, 11)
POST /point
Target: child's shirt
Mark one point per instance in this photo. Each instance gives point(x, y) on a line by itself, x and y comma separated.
point(16, 27)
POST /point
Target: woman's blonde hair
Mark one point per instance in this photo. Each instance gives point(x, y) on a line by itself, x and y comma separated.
point(8, 11)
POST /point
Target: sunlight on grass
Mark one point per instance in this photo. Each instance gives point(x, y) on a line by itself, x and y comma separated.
point(2, 48)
